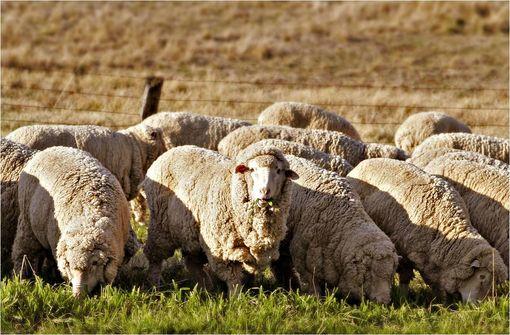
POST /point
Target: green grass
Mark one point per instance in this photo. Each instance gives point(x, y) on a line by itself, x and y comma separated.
point(39, 307)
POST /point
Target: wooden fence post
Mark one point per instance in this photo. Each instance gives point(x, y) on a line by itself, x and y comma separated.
point(151, 95)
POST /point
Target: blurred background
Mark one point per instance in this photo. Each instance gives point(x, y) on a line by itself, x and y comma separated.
point(373, 63)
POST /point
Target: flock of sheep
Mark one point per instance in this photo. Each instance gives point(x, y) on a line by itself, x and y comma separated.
point(300, 193)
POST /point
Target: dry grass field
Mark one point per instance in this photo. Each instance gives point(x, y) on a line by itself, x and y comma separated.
point(371, 62)
point(374, 63)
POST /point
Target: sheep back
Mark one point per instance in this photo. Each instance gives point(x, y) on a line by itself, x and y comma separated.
point(419, 126)
point(485, 190)
point(185, 128)
point(301, 115)
point(427, 220)
point(490, 146)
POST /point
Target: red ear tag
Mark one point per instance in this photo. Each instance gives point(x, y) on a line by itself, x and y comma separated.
point(241, 168)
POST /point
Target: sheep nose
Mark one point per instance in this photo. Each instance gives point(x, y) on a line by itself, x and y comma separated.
point(265, 191)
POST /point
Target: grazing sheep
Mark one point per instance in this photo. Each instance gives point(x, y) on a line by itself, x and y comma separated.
point(417, 127)
point(486, 192)
point(201, 202)
point(301, 115)
point(126, 153)
point(13, 158)
point(185, 128)
point(73, 211)
point(327, 141)
point(331, 239)
point(489, 146)
point(429, 223)
point(424, 158)
point(326, 161)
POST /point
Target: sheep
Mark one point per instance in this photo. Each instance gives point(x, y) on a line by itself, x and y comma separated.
point(490, 146)
point(13, 157)
point(203, 203)
point(126, 153)
point(72, 211)
point(185, 128)
point(429, 223)
point(417, 127)
point(331, 239)
point(301, 115)
point(485, 191)
point(326, 161)
point(328, 141)
point(423, 158)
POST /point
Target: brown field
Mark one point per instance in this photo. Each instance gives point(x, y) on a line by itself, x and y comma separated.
point(374, 63)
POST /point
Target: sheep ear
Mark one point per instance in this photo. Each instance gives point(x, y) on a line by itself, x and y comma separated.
point(291, 174)
point(475, 264)
point(241, 168)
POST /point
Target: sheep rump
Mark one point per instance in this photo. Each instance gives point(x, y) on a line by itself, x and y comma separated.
point(301, 115)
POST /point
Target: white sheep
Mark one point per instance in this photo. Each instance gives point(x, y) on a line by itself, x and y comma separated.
point(73, 211)
point(417, 127)
point(204, 203)
point(126, 153)
point(185, 128)
point(330, 142)
point(486, 192)
point(489, 146)
point(301, 115)
point(13, 158)
point(429, 223)
point(331, 240)
point(424, 158)
point(326, 161)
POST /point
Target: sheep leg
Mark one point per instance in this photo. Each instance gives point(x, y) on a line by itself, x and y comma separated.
point(195, 266)
point(405, 275)
point(131, 247)
point(27, 252)
point(283, 270)
point(157, 248)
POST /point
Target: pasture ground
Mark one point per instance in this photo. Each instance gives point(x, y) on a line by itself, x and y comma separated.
point(374, 63)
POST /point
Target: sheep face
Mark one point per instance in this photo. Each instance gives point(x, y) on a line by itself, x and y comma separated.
point(477, 286)
point(97, 271)
point(381, 279)
point(267, 176)
point(152, 138)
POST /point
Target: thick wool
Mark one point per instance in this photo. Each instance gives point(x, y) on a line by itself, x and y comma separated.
point(127, 153)
point(13, 158)
point(326, 161)
point(331, 239)
point(417, 127)
point(427, 220)
point(301, 115)
point(70, 207)
point(486, 192)
point(200, 205)
point(424, 158)
point(331, 142)
point(493, 147)
point(183, 128)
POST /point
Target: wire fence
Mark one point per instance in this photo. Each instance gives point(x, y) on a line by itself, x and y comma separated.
point(362, 107)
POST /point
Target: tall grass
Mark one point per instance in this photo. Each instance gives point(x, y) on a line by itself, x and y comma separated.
point(38, 307)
